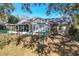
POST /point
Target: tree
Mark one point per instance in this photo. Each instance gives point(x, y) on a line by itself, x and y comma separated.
point(12, 19)
point(76, 19)
point(5, 10)
point(66, 8)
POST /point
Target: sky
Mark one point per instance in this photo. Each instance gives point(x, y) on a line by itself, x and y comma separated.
point(37, 11)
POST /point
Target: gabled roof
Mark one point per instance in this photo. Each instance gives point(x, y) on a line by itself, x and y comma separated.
point(38, 20)
point(58, 21)
point(23, 22)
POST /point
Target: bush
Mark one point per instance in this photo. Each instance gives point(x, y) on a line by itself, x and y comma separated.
point(74, 32)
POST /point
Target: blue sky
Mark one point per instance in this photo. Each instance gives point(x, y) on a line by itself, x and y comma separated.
point(38, 11)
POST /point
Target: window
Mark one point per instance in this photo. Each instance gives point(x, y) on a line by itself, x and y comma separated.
point(26, 28)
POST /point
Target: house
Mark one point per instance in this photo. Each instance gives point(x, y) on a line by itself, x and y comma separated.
point(38, 25)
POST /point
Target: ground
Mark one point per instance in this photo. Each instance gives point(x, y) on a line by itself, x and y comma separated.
point(71, 48)
point(12, 50)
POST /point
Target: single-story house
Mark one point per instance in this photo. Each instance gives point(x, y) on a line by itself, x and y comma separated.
point(60, 26)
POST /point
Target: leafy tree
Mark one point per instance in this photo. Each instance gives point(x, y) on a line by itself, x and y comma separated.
point(13, 19)
point(5, 10)
point(76, 19)
point(66, 8)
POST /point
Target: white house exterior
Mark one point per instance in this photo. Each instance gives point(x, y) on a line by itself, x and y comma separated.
point(35, 25)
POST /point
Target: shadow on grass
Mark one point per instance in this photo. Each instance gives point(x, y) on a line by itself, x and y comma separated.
point(62, 45)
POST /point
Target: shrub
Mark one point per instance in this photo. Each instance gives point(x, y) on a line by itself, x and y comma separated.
point(74, 32)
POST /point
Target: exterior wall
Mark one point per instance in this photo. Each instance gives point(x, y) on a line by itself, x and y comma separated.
point(36, 27)
point(39, 27)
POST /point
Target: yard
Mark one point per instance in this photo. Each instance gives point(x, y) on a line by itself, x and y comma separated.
point(71, 48)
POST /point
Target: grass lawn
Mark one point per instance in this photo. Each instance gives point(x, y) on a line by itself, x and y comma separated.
point(13, 50)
